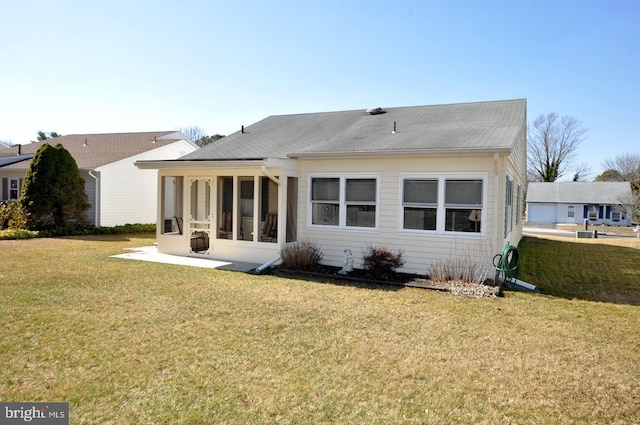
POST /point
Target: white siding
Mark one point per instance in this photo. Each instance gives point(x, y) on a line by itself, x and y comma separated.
point(129, 194)
point(419, 250)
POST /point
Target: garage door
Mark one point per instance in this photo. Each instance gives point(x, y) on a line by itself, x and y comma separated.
point(542, 214)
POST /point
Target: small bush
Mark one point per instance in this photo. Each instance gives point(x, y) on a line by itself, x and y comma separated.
point(461, 269)
point(382, 262)
point(12, 216)
point(302, 255)
point(12, 234)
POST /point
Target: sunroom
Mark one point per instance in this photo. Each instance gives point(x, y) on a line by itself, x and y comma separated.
point(227, 210)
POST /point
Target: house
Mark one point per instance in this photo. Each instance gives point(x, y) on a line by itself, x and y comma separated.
point(4, 145)
point(118, 191)
point(574, 202)
point(431, 181)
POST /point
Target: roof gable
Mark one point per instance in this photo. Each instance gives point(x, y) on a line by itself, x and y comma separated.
point(463, 127)
point(579, 192)
point(93, 150)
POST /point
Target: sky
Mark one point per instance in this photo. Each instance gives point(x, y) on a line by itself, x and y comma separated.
point(122, 66)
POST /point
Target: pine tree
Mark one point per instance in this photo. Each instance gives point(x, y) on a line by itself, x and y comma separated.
point(53, 191)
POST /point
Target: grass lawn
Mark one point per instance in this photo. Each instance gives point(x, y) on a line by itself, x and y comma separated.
point(127, 342)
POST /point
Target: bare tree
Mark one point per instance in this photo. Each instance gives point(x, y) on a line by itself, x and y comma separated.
point(623, 168)
point(552, 146)
point(194, 133)
point(582, 173)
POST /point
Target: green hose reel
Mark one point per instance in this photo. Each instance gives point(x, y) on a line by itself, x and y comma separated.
point(507, 264)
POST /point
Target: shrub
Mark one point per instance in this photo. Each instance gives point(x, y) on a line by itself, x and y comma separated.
point(382, 262)
point(11, 234)
point(461, 269)
point(12, 216)
point(302, 255)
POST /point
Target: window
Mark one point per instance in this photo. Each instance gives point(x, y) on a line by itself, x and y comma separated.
point(420, 204)
point(508, 210)
point(571, 211)
point(593, 212)
point(13, 190)
point(441, 204)
point(615, 215)
point(360, 201)
point(325, 201)
point(518, 205)
point(344, 202)
point(463, 205)
point(172, 204)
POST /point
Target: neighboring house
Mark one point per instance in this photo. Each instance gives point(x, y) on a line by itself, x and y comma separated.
point(434, 182)
point(118, 191)
point(574, 202)
point(4, 145)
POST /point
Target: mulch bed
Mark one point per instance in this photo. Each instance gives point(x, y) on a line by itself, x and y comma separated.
point(363, 277)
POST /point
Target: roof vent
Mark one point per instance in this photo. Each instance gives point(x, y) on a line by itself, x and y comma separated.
point(375, 111)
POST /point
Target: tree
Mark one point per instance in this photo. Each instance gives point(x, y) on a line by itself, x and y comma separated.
point(42, 136)
point(624, 168)
point(209, 139)
point(53, 191)
point(552, 145)
point(198, 136)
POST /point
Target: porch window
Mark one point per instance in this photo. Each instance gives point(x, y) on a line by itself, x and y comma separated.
point(420, 204)
point(171, 192)
point(344, 202)
point(463, 205)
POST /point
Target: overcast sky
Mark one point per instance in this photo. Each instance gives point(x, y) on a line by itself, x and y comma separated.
point(121, 66)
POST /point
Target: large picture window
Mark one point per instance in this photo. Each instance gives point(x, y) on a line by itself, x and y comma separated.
point(344, 202)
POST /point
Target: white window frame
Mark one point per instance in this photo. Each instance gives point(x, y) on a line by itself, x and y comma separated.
point(441, 207)
point(571, 211)
point(342, 202)
point(16, 189)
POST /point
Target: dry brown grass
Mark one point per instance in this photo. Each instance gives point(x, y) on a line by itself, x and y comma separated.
point(135, 342)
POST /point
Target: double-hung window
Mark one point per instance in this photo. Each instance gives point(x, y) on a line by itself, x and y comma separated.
point(420, 204)
point(441, 203)
point(344, 201)
point(463, 205)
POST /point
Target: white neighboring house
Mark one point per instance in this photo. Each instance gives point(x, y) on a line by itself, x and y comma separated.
point(118, 191)
point(435, 182)
point(574, 202)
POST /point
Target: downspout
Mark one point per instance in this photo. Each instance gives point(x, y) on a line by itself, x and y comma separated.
point(268, 174)
point(97, 200)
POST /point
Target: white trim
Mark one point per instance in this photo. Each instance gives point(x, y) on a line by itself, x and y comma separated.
point(342, 203)
point(441, 207)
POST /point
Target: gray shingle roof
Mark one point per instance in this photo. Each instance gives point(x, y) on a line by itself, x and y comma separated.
point(8, 160)
point(94, 150)
point(579, 192)
point(464, 126)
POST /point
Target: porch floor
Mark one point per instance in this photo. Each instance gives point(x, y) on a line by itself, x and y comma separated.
point(150, 253)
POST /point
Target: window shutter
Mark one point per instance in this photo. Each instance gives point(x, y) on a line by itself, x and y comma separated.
point(608, 211)
point(586, 211)
point(5, 189)
point(600, 211)
point(20, 188)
